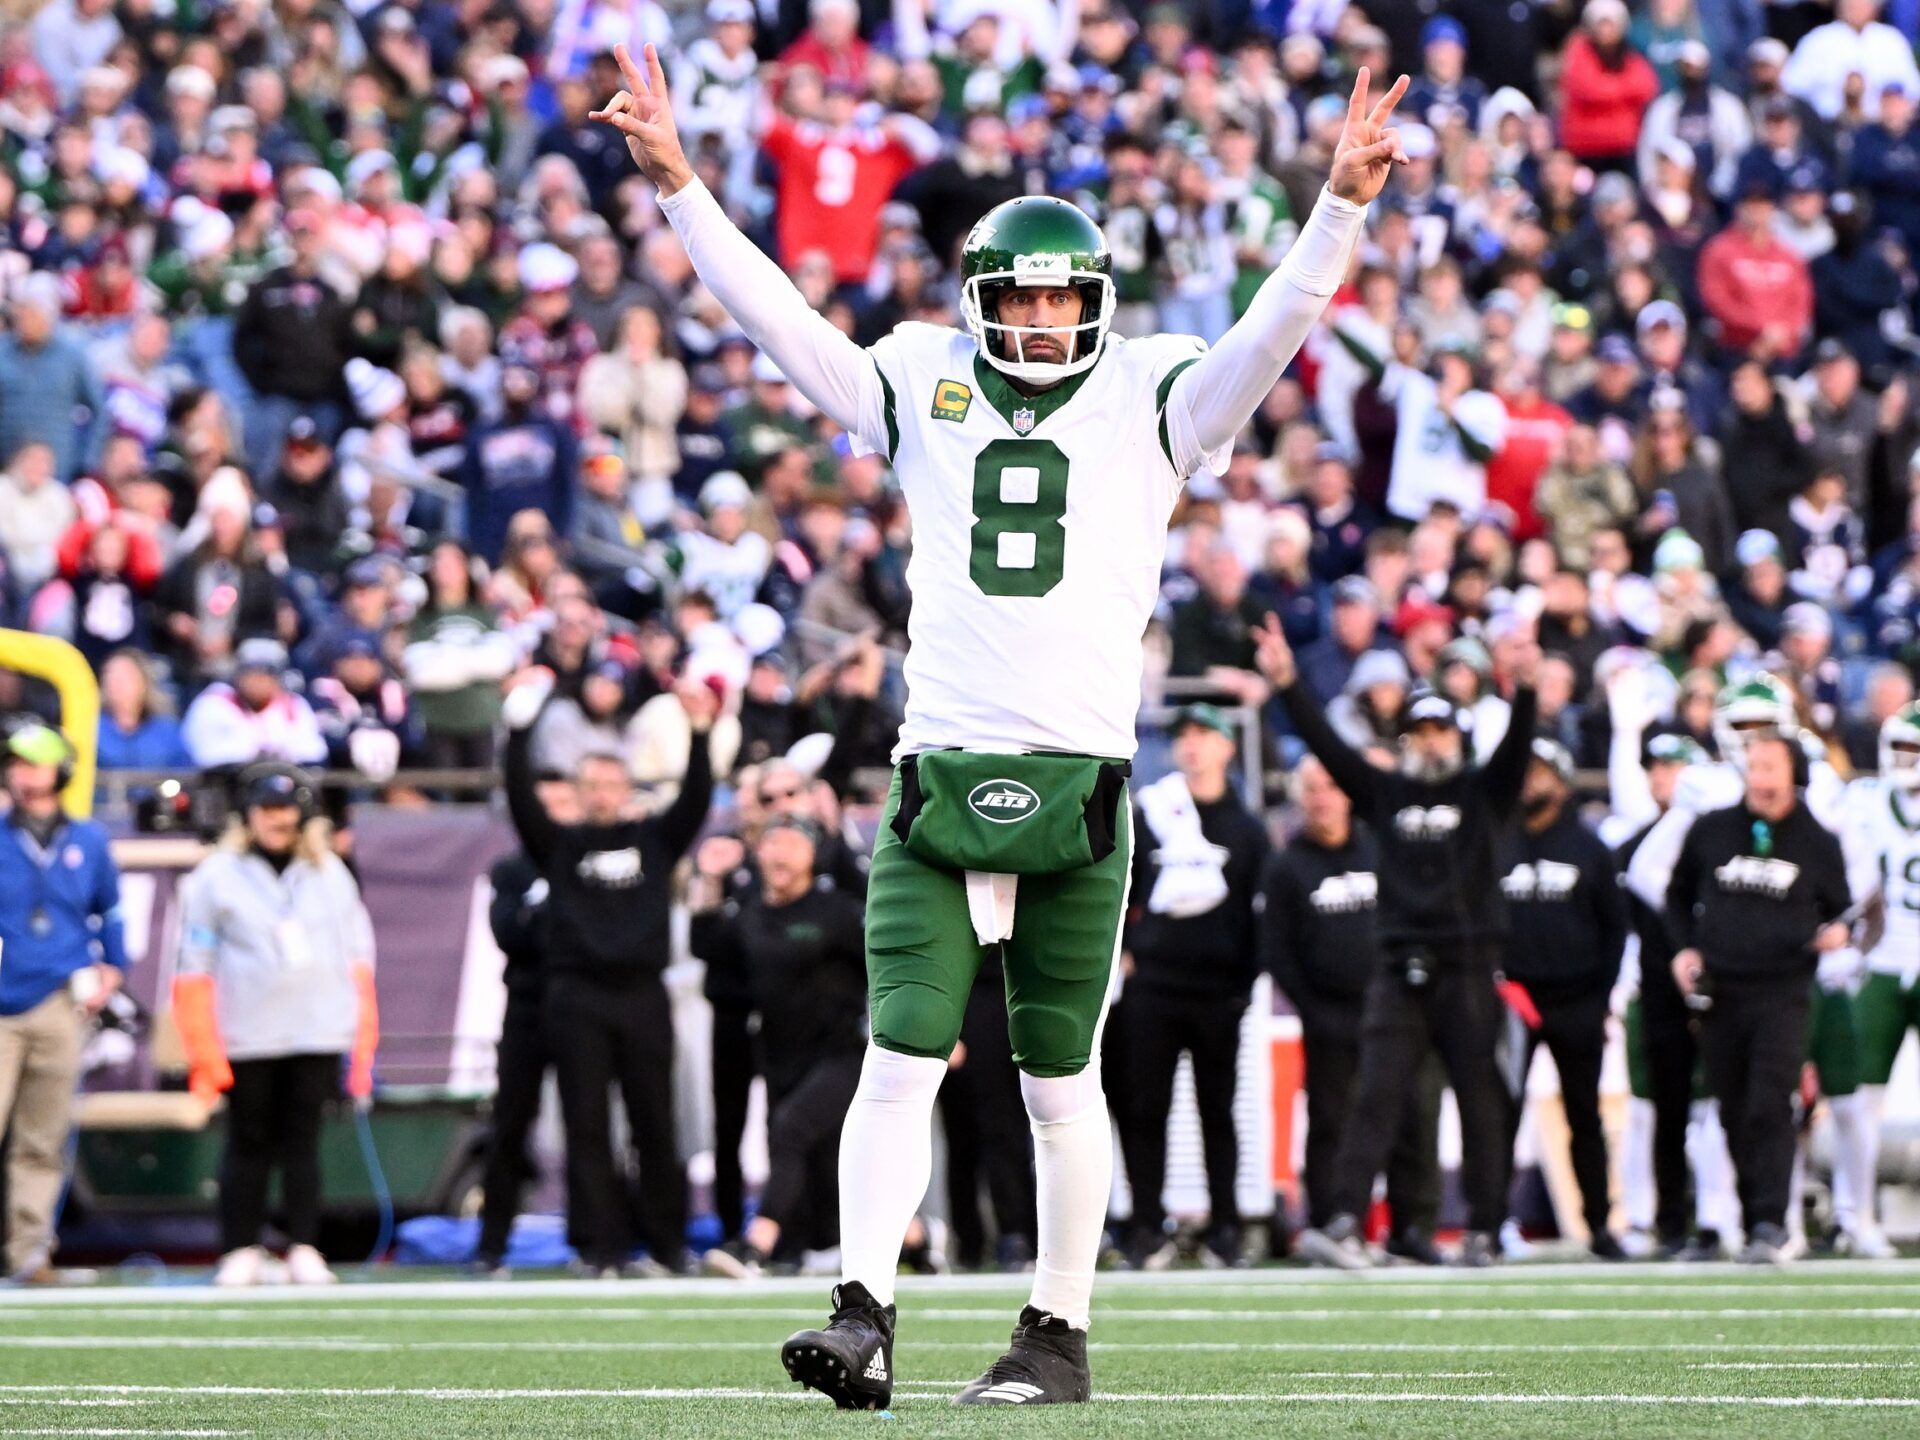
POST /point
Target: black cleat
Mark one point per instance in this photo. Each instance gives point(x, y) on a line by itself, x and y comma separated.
point(1414, 1246)
point(851, 1361)
point(1478, 1250)
point(1045, 1365)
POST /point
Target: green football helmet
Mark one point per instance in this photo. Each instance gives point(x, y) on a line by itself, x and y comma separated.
point(1036, 240)
point(1762, 705)
point(1900, 748)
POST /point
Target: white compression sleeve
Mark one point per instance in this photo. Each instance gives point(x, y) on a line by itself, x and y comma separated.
point(826, 367)
point(1073, 1177)
point(1220, 393)
point(886, 1160)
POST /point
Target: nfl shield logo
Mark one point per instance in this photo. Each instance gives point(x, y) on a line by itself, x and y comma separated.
point(1022, 421)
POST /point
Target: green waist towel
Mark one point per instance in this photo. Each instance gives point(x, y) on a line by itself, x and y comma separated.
point(1009, 814)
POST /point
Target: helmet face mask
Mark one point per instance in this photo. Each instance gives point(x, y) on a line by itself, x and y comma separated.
point(1036, 241)
point(1900, 748)
point(1760, 706)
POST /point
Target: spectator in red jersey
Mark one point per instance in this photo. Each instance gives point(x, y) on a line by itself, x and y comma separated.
point(1605, 87)
point(832, 46)
point(1754, 288)
point(835, 174)
point(1536, 429)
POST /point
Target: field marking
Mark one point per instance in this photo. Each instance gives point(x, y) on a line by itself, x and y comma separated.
point(1803, 1364)
point(352, 1346)
point(63, 1430)
point(196, 1293)
point(1212, 1317)
point(1295, 1397)
point(1110, 1306)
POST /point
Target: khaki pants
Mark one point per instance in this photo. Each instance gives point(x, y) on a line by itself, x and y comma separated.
point(39, 1068)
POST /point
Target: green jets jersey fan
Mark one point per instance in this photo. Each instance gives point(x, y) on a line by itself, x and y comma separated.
point(1040, 455)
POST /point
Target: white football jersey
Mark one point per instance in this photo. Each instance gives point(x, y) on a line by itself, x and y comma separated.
point(1882, 844)
point(1039, 526)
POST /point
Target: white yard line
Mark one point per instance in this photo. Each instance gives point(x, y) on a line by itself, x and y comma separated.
point(64, 1430)
point(1111, 1315)
point(1804, 1364)
point(178, 1292)
point(1296, 1397)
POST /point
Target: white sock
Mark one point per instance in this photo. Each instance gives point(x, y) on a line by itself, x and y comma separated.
point(886, 1160)
point(1716, 1202)
point(1636, 1166)
point(1873, 1099)
point(1852, 1184)
point(1073, 1175)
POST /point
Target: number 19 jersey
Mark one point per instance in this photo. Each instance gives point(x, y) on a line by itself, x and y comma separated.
point(1039, 527)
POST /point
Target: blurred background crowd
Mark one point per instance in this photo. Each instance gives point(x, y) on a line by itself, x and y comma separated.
point(349, 369)
point(348, 366)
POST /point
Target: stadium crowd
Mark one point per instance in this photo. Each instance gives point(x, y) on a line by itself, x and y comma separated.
point(351, 375)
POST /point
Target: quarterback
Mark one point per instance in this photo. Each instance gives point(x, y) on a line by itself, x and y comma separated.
point(1040, 457)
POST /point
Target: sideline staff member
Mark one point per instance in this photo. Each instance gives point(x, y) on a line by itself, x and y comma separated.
point(1756, 895)
point(60, 936)
point(1442, 921)
point(609, 891)
point(1320, 942)
point(1190, 933)
point(1569, 929)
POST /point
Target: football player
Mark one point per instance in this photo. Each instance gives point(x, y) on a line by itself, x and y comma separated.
point(1882, 844)
point(1040, 456)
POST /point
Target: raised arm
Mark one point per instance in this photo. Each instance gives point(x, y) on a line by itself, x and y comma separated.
point(828, 368)
point(1350, 770)
point(1219, 394)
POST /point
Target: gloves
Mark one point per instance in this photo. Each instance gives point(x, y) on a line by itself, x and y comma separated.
point(366, 1034)
point(1841, 969)
point(375, 753)
point(525, 701)
point(1515, 997)
point(208, 1072)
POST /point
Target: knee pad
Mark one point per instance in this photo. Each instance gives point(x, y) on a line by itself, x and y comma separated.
point(1051, 1039)
point(890, 1078)
point(1056, 1099)
point(918, 1021)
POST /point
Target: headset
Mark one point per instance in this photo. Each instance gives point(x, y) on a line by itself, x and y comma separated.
point(28, 731)
point(295, 784)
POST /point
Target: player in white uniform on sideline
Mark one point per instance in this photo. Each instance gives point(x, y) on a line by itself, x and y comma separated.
point(1764, 704)
point(1642, 775)
point(1882, 844)
point(1041, 457)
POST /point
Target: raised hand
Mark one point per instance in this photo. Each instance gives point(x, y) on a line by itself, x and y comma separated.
point(643, 113)
point(1272, 654)
point(1368, 150)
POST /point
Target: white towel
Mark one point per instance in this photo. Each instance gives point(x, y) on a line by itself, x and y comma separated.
point(1191, 870)
point(990, 900)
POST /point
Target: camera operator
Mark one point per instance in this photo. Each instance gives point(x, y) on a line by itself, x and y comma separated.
point(1442, 922)
point(1562, 958)
point(1757, 894)
point(801, 948)
point(1320, 941)
point(609, 893)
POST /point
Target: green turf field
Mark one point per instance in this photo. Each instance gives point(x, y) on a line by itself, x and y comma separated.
point(1627, 1351)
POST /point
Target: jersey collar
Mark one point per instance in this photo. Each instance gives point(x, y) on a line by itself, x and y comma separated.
point(1005, 399)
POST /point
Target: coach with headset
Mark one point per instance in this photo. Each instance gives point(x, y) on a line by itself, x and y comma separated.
point(273, 999)
point(62, 954)
point(1442, 920)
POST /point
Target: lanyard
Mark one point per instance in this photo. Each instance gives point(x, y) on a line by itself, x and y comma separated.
point(39, 918)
